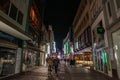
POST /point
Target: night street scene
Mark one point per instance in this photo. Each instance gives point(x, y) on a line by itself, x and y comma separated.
point(59, 39)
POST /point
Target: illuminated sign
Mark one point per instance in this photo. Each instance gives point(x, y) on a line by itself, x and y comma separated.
point(100, 30)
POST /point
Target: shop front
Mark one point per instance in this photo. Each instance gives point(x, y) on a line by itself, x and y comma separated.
point(100, 50)
point(102, 62)
point(116, 47)
point(30, 57)
point(7, 61)
point(8, 55)
point(42, 58)
point(84, 57)
point(43, 54)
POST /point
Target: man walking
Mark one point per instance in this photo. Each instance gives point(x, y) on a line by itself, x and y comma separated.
point(56, 63)
point(50, 64)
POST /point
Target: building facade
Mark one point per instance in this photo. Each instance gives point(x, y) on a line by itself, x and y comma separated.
point(44, 45)
point(51, 40)
point(31, 50)
point(12, 34)
point(82, 33)
point(112, 16)
point(99, 38)
point(20, 28)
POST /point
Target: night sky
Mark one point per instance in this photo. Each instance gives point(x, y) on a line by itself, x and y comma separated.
point(60, 14)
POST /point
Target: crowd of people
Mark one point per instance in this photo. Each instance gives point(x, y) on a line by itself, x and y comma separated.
point(53, 63)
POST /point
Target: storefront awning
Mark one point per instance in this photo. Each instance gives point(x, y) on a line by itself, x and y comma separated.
point(9, 30)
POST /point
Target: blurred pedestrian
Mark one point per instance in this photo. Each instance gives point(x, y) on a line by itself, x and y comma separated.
point(74, 61)
point(56, 64)
point(71, 62)
point(49, 60)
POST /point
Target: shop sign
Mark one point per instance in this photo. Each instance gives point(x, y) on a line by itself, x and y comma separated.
point(100, 30)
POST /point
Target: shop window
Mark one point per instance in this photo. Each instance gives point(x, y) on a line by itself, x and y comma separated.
point(20, 17)
point(7, 61)
point(4, 5)
point(13, 12)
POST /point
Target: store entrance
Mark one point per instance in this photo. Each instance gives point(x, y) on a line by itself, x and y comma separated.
point(7, 61)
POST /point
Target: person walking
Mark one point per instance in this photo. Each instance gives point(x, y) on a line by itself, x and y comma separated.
point(71, 62)
point(50, 64)
point(56, 64)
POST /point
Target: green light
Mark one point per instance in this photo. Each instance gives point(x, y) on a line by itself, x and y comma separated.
point(67, 47)
point(100, 30)
point(103, 58)
point(105, 55)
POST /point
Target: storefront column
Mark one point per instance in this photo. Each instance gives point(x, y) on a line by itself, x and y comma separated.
point(18, 61)
point(22, 55)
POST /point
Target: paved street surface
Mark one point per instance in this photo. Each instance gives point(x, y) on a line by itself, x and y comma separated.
point(65, 73)
point(80, 73)
point(36, 74)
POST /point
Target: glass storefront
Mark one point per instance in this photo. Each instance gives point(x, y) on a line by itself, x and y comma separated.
point(102, 62)
point(7, 61)
point(29, 59)
point(116, 47)
point(100, 51)
point(85, 59)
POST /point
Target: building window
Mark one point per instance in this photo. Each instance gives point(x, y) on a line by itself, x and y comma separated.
point(20, 17)
point(118, 3)
point(109, 9)
point(13, 12)
point(4, 5)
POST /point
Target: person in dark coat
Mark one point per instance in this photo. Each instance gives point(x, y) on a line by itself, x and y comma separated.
point(72, 62)
point(56, 64)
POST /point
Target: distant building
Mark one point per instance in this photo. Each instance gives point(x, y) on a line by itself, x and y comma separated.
point(82, 34)
point(51, 40)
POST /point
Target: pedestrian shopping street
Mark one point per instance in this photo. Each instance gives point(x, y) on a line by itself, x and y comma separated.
point(65, 72)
